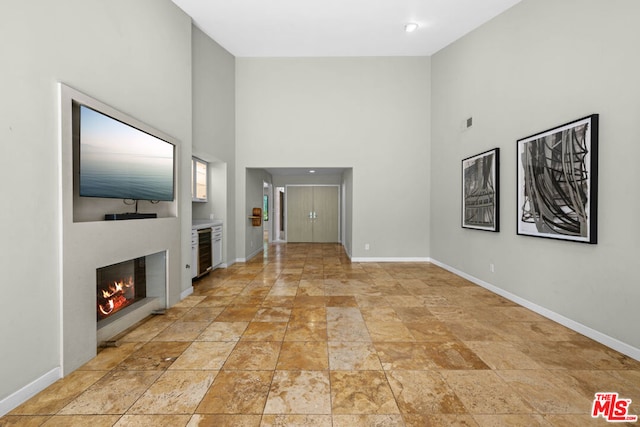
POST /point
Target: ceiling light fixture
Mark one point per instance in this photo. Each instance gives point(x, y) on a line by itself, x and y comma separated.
point(411, 27)
point(312, 171)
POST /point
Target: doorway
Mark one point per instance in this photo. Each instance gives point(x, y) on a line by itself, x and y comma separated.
point(267, 197)
point(313, 213)
point(278, 212)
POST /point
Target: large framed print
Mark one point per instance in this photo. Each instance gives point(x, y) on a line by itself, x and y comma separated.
point(558, 182)
point(480, 179)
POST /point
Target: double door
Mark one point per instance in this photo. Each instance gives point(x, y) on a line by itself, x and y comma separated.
point(312, 214)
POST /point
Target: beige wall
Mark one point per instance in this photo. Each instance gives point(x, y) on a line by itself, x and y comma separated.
point(371, 114)
point(541, 64)
point(214, 132)
point(134, 56)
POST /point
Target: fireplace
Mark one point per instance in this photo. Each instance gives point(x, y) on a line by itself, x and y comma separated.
point(119, 286)
point(127, 292)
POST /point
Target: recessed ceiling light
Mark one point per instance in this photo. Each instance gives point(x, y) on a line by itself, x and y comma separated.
point(312, 171)
point(411, 27)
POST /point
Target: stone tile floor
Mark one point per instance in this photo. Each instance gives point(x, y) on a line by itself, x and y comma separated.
point(300, 336)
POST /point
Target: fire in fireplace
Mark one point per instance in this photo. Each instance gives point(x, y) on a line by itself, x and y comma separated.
point(119, 286)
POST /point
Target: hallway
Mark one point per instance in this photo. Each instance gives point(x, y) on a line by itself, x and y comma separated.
point(301, 336)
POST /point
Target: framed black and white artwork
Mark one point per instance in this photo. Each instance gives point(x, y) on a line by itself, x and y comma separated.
point(480, 181)
point(558, 182)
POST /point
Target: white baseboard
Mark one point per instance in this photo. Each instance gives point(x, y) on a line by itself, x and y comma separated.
point(390, 259)
point(251, 255)
point(598, 336)
point(385, 259)
point(346, 251)
point(186, 293)
point(27, 392)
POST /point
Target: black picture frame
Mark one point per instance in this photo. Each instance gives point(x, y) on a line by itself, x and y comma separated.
point(558, 182)
point(480, 191)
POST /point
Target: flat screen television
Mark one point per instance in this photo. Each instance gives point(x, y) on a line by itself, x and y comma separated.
point(120, 161)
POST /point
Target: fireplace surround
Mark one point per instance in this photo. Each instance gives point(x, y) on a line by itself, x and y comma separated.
point(89, 243)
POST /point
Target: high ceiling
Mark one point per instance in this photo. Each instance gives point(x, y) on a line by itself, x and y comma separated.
point(317, 28)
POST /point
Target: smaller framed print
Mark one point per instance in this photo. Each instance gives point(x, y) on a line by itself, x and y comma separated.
point(480, 179)
point(558, 182)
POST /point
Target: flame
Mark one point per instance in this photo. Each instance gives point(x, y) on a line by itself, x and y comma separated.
point(106, 309)
point(114, 297)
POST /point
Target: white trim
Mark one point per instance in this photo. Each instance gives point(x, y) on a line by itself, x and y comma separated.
point(346, 251)
point(27, 392)
point(60, 230)
point(255, 253)
point(270, 208)
point(223, 265)
point(186, 293)
point(385, 259)
point(250, 255)
point(390, 259)
point(604, 339)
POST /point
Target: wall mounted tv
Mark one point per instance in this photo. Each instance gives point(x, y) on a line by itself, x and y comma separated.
point(120, 161)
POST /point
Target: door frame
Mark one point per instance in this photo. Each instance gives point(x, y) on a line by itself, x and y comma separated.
point(267, 190)
point(286, 199)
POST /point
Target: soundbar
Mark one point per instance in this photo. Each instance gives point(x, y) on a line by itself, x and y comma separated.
point(121, 216)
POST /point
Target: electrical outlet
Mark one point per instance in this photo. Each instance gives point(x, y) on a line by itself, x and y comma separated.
point(492, 268)
point(366, 246)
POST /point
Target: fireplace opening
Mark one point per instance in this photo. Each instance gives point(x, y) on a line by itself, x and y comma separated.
point(119, 286)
